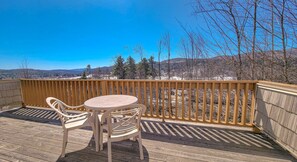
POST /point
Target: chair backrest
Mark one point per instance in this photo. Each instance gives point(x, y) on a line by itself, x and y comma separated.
point(129, 119)
point(59, 107)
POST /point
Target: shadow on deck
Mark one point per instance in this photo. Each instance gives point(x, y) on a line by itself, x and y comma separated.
point(31, 134)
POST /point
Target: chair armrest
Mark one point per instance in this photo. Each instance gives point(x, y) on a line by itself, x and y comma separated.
point(74, 107)
point(76, 116)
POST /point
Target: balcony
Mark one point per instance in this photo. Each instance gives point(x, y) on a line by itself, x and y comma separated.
point(185, 120)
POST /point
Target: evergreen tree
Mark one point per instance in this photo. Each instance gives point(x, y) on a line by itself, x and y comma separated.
point(143, 69)
point(130, 68)
point(84, 76)
point(119, 68)
point(152, 70)
point(88, 69)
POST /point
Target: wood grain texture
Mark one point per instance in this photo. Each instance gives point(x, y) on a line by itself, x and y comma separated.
point(23, 140)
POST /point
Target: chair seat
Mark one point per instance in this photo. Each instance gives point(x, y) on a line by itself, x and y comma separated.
point(119, 137)
point(76, 122)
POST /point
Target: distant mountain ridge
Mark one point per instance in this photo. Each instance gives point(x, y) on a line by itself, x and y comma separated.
point(175, 63)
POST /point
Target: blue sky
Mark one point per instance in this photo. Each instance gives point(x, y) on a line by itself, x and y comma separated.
point(70, 34)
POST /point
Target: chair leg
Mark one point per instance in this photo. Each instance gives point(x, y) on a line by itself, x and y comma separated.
point(93, 129)
point(140, 146)
point(109, 151)
point(101, 138)
point(65, 139)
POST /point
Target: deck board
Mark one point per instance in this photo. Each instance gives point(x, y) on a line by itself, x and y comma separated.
point(26, 136)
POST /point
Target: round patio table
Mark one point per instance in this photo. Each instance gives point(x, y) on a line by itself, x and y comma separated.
point(106, 102)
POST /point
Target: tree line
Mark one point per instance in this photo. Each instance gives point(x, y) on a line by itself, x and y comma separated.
point(128, 69)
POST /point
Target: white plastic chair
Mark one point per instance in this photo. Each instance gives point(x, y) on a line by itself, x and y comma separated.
point(122, 123)
point(69, 122)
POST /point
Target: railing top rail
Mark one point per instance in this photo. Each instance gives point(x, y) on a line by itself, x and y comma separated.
point(293, 86)
point(8, 81)
point(279, 87)
point(148, 80)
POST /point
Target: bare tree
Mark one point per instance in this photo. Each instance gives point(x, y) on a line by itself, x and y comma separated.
point(159, 58)
point(25, 73)
point(283, 39)
point(226, 18)
point(166, 42)
point(254, 37)
point(272, 41)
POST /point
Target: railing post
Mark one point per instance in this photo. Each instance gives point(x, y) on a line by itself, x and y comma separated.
point(22, 93)
point(253, 104)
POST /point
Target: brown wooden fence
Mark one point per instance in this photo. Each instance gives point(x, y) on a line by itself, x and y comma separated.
point(217, 102)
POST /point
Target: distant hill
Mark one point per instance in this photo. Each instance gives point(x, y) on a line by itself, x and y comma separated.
point(176, 65)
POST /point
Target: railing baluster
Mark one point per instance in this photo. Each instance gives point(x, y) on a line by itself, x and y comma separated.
point(139, 93)
point(163, 101)
point(169, 100)
point(67, 90)
point(236, 103)
point(84, 90)
point(60, 90)
point(50, 89)
point(97, 88)
point(176, 100)
point(157, 99)
point(45, 92)
point(118, 89)
point(37, 93)
point(78, 92)
point(92, 88)
point(57, 90)
point(145, 96)
point(75, 93)
point(189, 101)
point(111, 86)
point(204, 102)
point(183, 101)
point(197, 101)
point(68, 87)
point(88, 89)
point(228, 104)
point(220, 102)
point(212, 102)
point(151, 99)
point(29, 93)
point(71, 89)
point(128, 88)
point(244, 104)
point(123, 89)
point(133, 88)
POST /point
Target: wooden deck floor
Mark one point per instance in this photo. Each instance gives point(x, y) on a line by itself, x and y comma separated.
point(36, 135)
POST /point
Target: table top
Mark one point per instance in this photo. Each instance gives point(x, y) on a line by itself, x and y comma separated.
point(109, 101)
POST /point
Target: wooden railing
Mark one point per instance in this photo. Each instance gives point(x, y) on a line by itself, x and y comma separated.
point(217, 102)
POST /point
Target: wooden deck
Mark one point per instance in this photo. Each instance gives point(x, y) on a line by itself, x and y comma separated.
point(36, 135)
